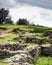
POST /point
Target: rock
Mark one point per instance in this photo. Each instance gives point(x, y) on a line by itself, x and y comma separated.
point(5, 46)
point(20, 64)
point(36, 40)
point(50, 36)
point(47, 33)
point(8, 49)
point(46, 50)
point(42, 41)
point(22, 58)
point(12, 47)
point(18, 53)
point(31, 39)
point(35, 52)
point(18, 59)
point(26, 64)
point(17, 30)
point(19, 39)
point(50, 41)
point(4, 54)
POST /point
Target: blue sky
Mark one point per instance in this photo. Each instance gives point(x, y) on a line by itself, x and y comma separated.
point(36, 11)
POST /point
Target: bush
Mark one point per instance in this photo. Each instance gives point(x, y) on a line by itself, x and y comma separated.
point(23, 22)
point(38, 29)
point(8, 21)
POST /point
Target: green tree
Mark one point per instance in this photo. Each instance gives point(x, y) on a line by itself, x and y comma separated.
point(23, 22)
point(3, 15)
point(8, 21)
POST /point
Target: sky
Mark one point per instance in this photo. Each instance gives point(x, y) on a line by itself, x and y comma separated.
point(36, 11)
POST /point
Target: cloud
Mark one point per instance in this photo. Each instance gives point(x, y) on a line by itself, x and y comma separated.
point(7, 3)
point(40, 3)
point(13, 3)
point(33, 14)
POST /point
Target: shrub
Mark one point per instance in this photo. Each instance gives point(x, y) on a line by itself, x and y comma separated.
point(23, 22)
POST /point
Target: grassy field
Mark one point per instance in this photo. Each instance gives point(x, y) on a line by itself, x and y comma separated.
point(44, 60)
point(37, 29)
point(8, 37)
point(3, 63)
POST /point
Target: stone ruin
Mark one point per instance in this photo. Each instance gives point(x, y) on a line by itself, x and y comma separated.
point(46, 50)
point(47, 33)
point(30, 39)
point(50, 41)
point(36, 40)
point(12, 47)
point(26, 58)
point(50, 36)
point(19, 53)
point(17, 30)
point(8, 49)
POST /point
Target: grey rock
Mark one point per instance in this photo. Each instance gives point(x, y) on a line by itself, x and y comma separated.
point(50, 36)
point(12, 47)
point(20, 64)
point(35, 52)
point(47, 33)
point(46, 50)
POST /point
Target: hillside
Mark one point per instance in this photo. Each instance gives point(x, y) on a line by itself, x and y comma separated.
point(29, 45)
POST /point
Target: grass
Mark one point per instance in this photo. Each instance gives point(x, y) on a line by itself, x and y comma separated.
point(29, 46)
point(4, 63)
point(37, 29)
point(8, 37)
point(25, 27)
point(46, 45)
point(41, 29)
point(44, 60)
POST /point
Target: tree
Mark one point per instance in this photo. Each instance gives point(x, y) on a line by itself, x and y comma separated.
point(8, 21)
point(23, 22)
point(3, 15)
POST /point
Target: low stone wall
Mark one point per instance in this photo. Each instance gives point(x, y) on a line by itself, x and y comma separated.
point(18, 30)
point(36, 40)
point(8, 49)
point(46, 50)
point(12, 47)
point(21, 55)
point(26, 58)
point(47, 33)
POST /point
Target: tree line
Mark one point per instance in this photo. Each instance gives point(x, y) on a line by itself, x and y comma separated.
point(5, 18)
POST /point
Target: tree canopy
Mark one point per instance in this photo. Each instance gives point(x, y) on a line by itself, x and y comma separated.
point(23, 22)
point(4, 16)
